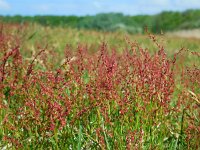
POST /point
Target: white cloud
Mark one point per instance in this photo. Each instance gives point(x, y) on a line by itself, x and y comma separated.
point(187, 3)
point(97, 4)
point(4, 5)
point(153, 3)
point(43, 7)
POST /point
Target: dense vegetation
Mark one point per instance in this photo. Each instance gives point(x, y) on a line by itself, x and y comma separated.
point(166, 21)
point(91, 95)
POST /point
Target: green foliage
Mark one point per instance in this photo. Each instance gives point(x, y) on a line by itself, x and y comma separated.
point(165, 21)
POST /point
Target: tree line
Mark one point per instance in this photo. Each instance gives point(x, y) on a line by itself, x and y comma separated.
point(165, 21)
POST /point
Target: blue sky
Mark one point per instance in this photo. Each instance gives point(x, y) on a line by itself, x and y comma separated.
point(91, 7)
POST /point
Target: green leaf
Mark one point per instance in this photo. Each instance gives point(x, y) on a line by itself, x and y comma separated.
point(67, 91)
point(80, 134)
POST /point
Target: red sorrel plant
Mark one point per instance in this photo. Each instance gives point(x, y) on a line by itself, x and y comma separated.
point(33, 106)
point(134, 83)
point(189, 98)
point(106, 100)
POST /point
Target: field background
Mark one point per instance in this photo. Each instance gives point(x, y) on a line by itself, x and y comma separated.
point(69, 87)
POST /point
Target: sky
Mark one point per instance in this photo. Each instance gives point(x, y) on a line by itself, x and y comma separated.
point(92, 7)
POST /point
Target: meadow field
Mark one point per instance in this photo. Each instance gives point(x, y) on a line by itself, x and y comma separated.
point(66, 88)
